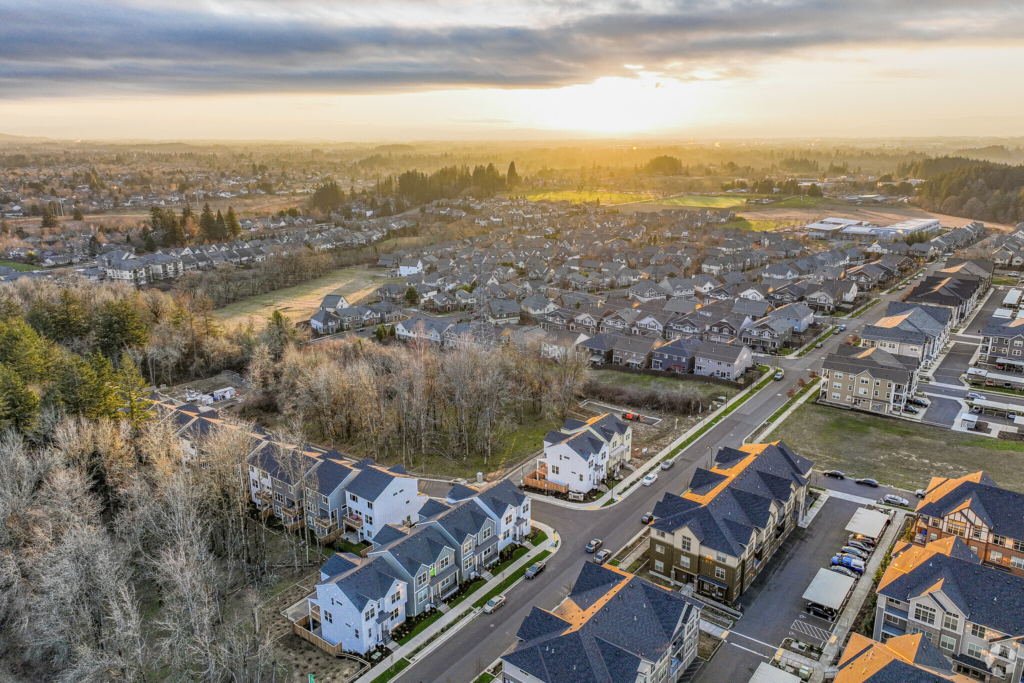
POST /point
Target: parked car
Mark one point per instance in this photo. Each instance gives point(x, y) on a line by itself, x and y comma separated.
point(668, 464)
point(845, 572)
point(647, 518)
point(602, 556)
point(842, 328)
point(921, 402)
point(835, 474)
point(837, 331)
point(890, 499)
point(920, 493)
point(860, 546)
point(863, 540)
point(649, 479)
point(594, 545)
point(535, 568)
point(848, 562)
point(911, 409)
point(494, 603)
point(856, 552)
point(816, 610)
point(867, 482)
point(458, 481)
point(779, 375)
point(818, 345)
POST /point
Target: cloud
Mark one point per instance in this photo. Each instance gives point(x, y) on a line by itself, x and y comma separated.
point(488, 121)
point(60, 47)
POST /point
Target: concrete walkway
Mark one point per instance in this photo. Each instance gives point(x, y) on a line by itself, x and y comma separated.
point(861, 590)
point(651, 465)
point(552, 544)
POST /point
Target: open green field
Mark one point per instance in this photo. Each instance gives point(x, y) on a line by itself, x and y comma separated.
point(895, 452)
point(23, 267)
point(724, 201)
point(300, 302)
point(626, 379)
point(578, 197)
point(759, 225)
point(792, 203)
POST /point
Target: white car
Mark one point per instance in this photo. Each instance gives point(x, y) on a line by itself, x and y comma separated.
point(890, 499)
point(973, 396)
point(650, 479)
point(494, 603)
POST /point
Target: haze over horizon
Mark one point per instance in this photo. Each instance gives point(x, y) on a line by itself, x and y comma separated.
point(527, 69)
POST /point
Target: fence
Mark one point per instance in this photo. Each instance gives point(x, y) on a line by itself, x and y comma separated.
point(538, 480)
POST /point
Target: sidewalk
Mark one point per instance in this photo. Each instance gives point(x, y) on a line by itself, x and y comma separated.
point(861, 590)
point(552, 545)
point(626, 484)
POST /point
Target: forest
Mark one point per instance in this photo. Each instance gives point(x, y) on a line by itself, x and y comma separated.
point(983, 191)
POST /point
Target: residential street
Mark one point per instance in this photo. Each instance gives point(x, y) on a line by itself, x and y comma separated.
point(461, 658)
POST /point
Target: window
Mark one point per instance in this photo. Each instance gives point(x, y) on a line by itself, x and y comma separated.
point(839, 375)
point(581, 477)
point(353, 497)
point(394, 614)
point(719, 573)
point(998, 540)
point(891, 618)
point(720, 557)
point(864, 380)
point(1017, 562)
point(684, 544)
point(995, 557)
point(357, 633)
point(659, 566)
point(369, 505)
point(443, 564)
point(486, 534)
point(977, 630)
point(924, 613)
point(370, 614)
point(974, 650)
point(421, 579)
point(369, 520)
point(1018, 546)
point(660, 549)
point(951, 621)
point(837, 385)
point(836, 396)
point(554, 469)
point(947, 643)
point(684, 562)
point(957, 528)
point(508, 519)
point(936, 522)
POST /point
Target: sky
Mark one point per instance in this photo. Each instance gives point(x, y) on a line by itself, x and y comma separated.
point(510, 69)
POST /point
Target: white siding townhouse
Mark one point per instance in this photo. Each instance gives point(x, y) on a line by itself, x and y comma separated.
point(581, 454)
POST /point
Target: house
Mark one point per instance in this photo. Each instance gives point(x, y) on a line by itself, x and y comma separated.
point(501, 311)
point(912, 333)
point(376, 497)
point(868, 379)
point(561, 344)
point(768, 335)
point(537, 306)
point(581, 455)
point(944, 594)
point(612, 626)
point(325, 322)
point(334, 303)
point(825, 297)
point(677, 356)
point(645, 290)
point(722, 532)
point(957, 294)
point(717, 359)
point(358, 602)
point(909, 658)
point(974, 508)
point(410, 266)
point(799, 315)
point(600, 347)
point(634, 351)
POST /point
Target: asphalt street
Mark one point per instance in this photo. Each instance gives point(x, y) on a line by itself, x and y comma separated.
point(466, 653)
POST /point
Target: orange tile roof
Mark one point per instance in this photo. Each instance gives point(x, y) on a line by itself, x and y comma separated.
point(939, 487)
point(730, 472)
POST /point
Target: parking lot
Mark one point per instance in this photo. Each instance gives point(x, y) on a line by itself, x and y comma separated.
point(954, 364)
point(774, 607)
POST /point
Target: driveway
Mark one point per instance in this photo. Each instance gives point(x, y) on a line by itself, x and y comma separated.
point(942, 411)
point(954, 364)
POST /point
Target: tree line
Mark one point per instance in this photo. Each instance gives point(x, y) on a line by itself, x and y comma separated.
point(983, 191)
point(175, 231)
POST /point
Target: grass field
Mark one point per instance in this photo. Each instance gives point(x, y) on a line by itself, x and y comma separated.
point(725, 201)
point(23, 267)
point(708, 389)
point(759, 225)
point(301, 301)
point(607, 198)
point(792, 203)
point(896, 452)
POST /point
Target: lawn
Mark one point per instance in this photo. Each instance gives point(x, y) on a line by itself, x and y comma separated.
point(392, 671)
point(607, 197)
point(724, 201)
point(758, 225)
point(23, 267)
point(302, 301)
point(792, 203)
point(622, 379)
point(896, 452)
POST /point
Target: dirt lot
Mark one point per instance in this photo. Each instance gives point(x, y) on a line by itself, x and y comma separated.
point(897, 452)
point(708, 389)
point(300, 302)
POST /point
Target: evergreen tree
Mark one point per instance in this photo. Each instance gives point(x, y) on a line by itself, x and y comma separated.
point(278, 334)
point(118, 326)
point(131, 389)
point(18, 405)
point(24, 351)
point(380, 332)
point(186, 214)
point(65, 319)
point(49, 220)
point(512, 178)
point(208, 224)
point(234, 228)
point(84, 387)
point(222, 228)
point(148, 243)
point(78, 215)
point(156, 218)
point(391, 332)
point(174, 233)
point(411, 296)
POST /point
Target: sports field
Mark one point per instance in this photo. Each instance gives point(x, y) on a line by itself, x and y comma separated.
point(300, 302)
point(578, 197)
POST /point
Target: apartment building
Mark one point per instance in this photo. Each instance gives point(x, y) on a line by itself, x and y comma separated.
point(612, 626)
point(903, 659)
point(912, 332)
point(989, 519)
point(973, 614)
point(1002, 343)
point(868, 379)
point(731, 520)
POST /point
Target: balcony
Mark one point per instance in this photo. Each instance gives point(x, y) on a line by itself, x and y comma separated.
point(324, 522)
point(354, 522)
point(264, 496)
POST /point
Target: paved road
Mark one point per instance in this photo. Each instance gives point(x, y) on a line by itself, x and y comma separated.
point(465, 654)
